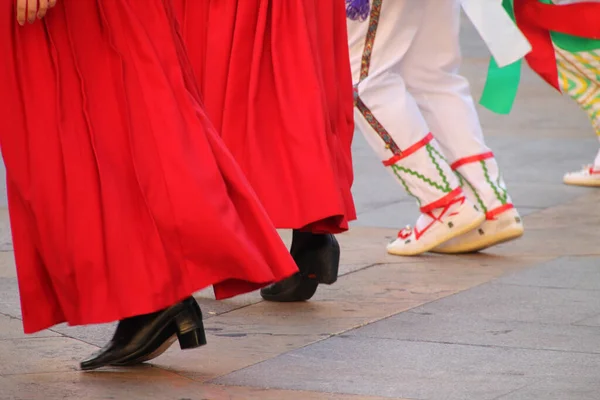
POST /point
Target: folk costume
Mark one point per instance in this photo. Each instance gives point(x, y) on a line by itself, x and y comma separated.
point(565, 40)
point(275, 79)
point(123, 199)
point(418, 115)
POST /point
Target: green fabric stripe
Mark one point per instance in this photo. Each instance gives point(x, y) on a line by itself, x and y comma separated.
point(502, 84)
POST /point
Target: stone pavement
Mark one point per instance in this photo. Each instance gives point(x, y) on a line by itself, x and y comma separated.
point(519, 322)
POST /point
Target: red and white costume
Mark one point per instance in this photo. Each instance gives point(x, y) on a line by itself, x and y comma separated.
point(418, 115)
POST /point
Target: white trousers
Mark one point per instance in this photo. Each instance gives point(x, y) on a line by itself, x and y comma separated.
point(405, 61)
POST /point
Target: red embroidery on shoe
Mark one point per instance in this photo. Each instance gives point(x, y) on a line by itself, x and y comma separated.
point(594, 172)
point(454, 197)
point(447, 199)
point(492, 214)
point(405, 233)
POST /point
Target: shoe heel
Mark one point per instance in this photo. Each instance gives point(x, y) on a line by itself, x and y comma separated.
point(190, 330)
point(330, 262)
point(192, 339)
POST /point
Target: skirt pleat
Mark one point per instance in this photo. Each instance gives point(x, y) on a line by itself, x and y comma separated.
point(275, 79)
point(123, 198)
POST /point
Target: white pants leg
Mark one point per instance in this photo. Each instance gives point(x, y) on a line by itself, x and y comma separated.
point(417, 113)
point(431, 71)
point(390, 118)
point(386, 113)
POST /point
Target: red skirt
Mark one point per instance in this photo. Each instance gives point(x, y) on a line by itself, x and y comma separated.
point(123, 199)
point(275, 79)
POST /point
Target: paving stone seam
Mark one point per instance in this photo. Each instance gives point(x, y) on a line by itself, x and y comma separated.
point(9, 316)
point(70, 370)
point(367, 266)
point(541, 324)
point(488, 346)
point(341, 333)
point(534, 253)
point(344, 332)
point(241, 307)
point(504, 396)
point(327, 337)
point(543, 287)
point(351, 328)
point(348, 395)
point(410, 309)
point(58, 336)
point(238, 335)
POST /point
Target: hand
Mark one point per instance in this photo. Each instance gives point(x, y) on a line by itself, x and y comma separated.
point(29, 10)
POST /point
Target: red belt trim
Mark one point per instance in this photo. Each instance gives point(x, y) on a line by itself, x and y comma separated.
point(410, 150)
point(468, 160)
point(492, 214)
point(444, 201)
point(536, 20)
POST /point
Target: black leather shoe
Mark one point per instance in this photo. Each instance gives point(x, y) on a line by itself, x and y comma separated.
point(318, 259)
point(141, 338)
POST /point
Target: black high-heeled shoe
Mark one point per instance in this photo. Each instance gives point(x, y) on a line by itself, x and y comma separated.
point(318, 259)
point(144, 337)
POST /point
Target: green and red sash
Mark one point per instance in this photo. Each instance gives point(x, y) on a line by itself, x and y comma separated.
point(572, 27)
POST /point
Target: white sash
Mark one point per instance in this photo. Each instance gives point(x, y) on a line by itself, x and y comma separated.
point(502, 37)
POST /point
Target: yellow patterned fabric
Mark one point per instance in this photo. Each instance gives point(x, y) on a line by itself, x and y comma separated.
point(579, 75)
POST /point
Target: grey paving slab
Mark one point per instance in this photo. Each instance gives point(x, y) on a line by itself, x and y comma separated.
point(539, 110)
point(540, 196)
point(122, 384)
point(373, 186)
point(7, 265)
point(471, 43)
point(535, 160)
point(489, 342)
point(5, 233)
point(140, 384)
point(557, 388)
point(464, 328)
point(3, 201)
point(413, 370)
point(100, 334)
point(525, 211)
point(10, 303)
point(212, 307)
point(593, 321)
point(97, 335)
point(498, 302)
point(38, 355)
point(565, 272)
point(12, 328)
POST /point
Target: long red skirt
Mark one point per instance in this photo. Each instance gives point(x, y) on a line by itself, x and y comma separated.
point(123, 199)
point(275, 79)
